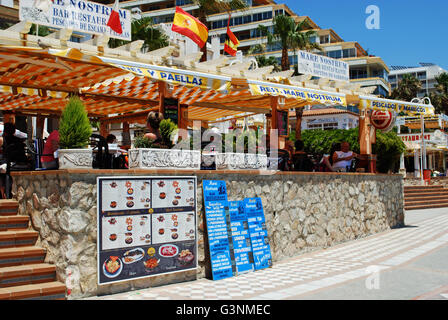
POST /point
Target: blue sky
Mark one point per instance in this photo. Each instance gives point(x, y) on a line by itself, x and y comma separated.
point(411, 31)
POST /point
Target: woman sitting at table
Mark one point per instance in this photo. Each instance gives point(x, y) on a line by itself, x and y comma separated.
point(153, 127)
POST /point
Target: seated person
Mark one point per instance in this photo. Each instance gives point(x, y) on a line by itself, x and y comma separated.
point(113, 145)
point(300, 159)
point(343, 159)
point(13, 147)
point(327, 159)
point(119, 155)
point(17, 133)
point(49, 161)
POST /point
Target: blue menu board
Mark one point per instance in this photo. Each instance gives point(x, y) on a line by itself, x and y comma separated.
point(242, 248)
point(258, 233)
point(218, 222)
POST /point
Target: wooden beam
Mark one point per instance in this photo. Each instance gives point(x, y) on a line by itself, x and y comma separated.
point(130, 117)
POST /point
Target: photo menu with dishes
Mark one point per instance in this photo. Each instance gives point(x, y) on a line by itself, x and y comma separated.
point(146, 226)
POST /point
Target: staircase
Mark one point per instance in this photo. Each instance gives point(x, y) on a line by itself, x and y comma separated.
point(425, 197)
point(23, 273)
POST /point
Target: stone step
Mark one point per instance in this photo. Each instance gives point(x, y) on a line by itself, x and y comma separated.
point(41, 291)
point(21, 256)
point(14, 222)
point(426, 202)
point(427, 206)
point(27, 274)
point(8, 207)
point(423, 187)
point(17, 238)
point(441, 191)
point(426, 195)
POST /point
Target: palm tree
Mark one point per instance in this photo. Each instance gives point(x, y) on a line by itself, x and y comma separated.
point(143, 29)
point(407, 88)
point(208, 7)
point(290, 35)
point(439, 98)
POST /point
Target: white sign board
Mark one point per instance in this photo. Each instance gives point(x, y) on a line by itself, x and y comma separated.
point(322, 66)
point(78, 15)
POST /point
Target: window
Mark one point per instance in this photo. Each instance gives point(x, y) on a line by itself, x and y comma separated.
point(325, 39)
point(247, 19)
point(348, 53)
point(279, 12)
point(421, 75)
point(392, 78)
point(257, 17)
point(337, 54)
point(267, 15)
point(238, 20)
point(330, 126)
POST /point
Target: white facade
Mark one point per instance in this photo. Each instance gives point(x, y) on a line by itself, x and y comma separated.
point(426, 73)
point(330, 121)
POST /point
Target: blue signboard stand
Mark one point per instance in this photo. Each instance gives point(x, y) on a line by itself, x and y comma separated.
point(218, 225)
point(242, 248)
point(258, 233)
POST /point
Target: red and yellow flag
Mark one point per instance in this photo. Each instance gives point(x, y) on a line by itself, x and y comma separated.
point(190, 27)
point(231, 44)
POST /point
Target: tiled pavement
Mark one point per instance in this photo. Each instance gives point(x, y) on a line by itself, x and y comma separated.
point(309, 273)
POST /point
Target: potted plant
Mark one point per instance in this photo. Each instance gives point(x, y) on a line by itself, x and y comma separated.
point(74, 136)
point(149, 155)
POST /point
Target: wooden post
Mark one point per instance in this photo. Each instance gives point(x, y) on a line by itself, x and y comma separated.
point(274, 120)
point(126, 135)
point(162, 94)
point(183, 121)
point(367, 135)
point(40, 122)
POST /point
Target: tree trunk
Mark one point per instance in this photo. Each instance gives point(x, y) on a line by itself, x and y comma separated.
point(285, 59)
point(299, 114)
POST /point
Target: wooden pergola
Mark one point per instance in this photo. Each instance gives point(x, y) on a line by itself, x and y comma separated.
point(121, 85)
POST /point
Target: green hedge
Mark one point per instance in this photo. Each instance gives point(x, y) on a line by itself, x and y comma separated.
point(388, 147)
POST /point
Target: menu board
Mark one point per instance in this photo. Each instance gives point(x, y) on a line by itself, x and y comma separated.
point(146, 226)
point(218, 222)
point(171, 109)
point(258, 233)
point(242, 248)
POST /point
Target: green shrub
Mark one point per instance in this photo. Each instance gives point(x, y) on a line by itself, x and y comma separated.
point(167, 127)
point(388, 146)
point(142, 142)
point(75, 128)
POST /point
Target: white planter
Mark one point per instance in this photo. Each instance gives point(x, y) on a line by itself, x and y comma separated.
point(148, 158)
point(75, 158)
point(241, 161)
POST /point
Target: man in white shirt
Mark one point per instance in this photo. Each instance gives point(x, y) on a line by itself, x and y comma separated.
point(343, 159)
point(18, 133)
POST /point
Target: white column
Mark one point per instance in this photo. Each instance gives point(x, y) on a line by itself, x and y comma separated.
point(416, 163)
point(402, 166)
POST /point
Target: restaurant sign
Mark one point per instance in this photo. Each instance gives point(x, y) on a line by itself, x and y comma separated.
point(78, 15)
point(146, 227)
point(297, 93)
point(395, 106)
point(180, 77)
point(323, 67)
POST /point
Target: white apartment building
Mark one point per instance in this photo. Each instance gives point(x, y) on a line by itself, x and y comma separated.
point(426, 73)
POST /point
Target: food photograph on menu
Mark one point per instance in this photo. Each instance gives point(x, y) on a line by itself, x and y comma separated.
point(146, 226)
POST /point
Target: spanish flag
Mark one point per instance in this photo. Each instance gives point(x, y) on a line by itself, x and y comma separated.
point(231, 44)
point(190, 27)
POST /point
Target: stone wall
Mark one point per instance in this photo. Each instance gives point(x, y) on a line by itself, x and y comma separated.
point(304, 212)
